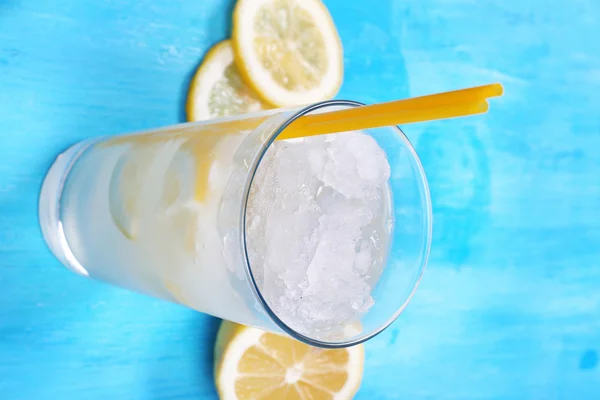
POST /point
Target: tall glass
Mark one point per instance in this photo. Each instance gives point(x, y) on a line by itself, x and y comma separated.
point(163, 212)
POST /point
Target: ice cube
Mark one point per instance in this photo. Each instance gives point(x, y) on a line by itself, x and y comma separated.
point(364, 257)
point(311, 212)
point(356, 165)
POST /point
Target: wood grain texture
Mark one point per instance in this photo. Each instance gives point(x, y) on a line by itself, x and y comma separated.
point(510, 304)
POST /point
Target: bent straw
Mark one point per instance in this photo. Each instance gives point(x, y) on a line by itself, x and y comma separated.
point(453, 104)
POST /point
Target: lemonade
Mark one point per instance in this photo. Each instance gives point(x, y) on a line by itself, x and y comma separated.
point(147, 212)
point(295, 236)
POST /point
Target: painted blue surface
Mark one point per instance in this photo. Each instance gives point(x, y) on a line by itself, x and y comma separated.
point(510, 304)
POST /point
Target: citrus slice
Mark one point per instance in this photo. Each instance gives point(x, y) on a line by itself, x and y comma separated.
point(217, 89)
point(133, 193)
point(126, 184)
point(253, 364)
point(289, 51)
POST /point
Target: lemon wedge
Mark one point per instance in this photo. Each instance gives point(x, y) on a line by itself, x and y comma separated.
point(289, 51)
point(217, 89)
point(253, 364)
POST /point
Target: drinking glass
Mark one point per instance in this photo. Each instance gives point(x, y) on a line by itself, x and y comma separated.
point(163, 212)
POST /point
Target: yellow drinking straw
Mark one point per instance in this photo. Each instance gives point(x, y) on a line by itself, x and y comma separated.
point(453, 104)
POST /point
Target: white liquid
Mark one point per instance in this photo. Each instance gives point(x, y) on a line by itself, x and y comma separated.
point(132, 217)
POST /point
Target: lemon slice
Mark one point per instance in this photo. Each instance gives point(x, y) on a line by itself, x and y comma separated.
point(127, 182)
point(253, 364)
point(135, 186)
point(217, 89)
point(289, 51)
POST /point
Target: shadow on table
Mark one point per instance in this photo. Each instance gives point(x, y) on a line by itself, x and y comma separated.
point(220, 18)
point(206, 331)
point(184, 366)
point(458, 173)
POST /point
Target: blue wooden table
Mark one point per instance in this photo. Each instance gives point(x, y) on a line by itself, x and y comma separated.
point(510, 304)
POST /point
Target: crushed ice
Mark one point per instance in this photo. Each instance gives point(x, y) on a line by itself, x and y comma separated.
point(314, 219)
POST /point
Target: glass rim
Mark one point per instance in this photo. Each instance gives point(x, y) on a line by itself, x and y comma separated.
point(253, 168)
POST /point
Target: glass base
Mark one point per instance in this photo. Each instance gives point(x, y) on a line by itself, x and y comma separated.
point(49, 207)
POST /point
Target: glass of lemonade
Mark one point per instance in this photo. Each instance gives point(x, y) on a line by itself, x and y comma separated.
point(323, 238)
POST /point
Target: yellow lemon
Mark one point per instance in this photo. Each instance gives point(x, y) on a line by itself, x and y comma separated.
point(217, 89)
point(289, 51)
point(253, 364)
